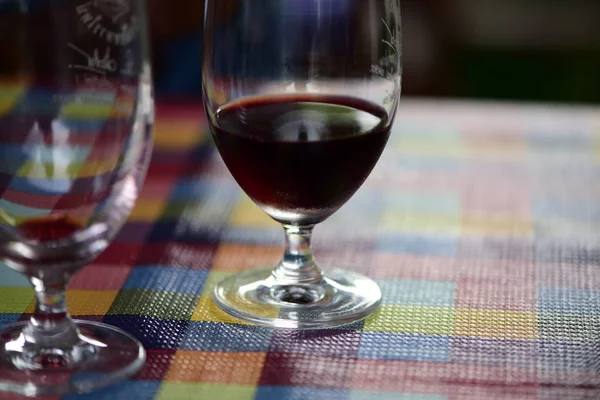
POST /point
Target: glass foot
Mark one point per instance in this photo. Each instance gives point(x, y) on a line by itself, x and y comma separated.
point(102, 356)
point(342, 297)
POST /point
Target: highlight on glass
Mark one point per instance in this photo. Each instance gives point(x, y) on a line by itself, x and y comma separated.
point(76, 112)
point(300, 97)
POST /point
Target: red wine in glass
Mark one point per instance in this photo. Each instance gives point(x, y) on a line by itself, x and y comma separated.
point(300, 156)
point(301, 97)
point(51, 228)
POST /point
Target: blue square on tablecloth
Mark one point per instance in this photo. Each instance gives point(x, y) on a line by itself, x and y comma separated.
point(438, 202)
point(154, 333)
point(125, 390)
point(417, 292)
point(424, 164)
point(6, 319)
point(569, 301)
point(420, 245)
point(217, 336)
point(180, 280)
point(11, 278)
point(393, 346)
point(572, 210)
point(298, 393)
point(183, 231)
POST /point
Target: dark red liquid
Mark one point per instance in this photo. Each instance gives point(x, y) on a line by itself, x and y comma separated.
point(300, 156)
point(46, 229)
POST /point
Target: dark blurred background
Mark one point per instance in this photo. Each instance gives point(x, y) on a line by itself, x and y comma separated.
point(532, 50)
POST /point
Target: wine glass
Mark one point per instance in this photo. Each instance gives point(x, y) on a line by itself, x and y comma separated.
point(300, 97)
point(75, 139)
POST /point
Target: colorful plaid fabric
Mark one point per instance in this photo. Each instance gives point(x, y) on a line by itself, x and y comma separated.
point(480, 223)
point(73, 168)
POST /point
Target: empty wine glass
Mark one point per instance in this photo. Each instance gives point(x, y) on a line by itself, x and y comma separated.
point(300, 97)
point(75, 140)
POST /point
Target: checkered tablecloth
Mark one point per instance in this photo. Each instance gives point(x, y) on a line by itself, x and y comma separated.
point(481, 223)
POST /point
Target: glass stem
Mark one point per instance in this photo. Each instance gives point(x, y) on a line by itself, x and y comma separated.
point(298, 265)
point(50, 325)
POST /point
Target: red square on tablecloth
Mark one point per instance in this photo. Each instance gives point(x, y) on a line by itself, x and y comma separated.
point(100, 277)
point(157, 364)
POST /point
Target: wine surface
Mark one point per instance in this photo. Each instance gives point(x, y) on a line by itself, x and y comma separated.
point(300, 157)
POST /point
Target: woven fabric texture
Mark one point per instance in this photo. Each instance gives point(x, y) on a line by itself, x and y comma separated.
point(481, 223)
